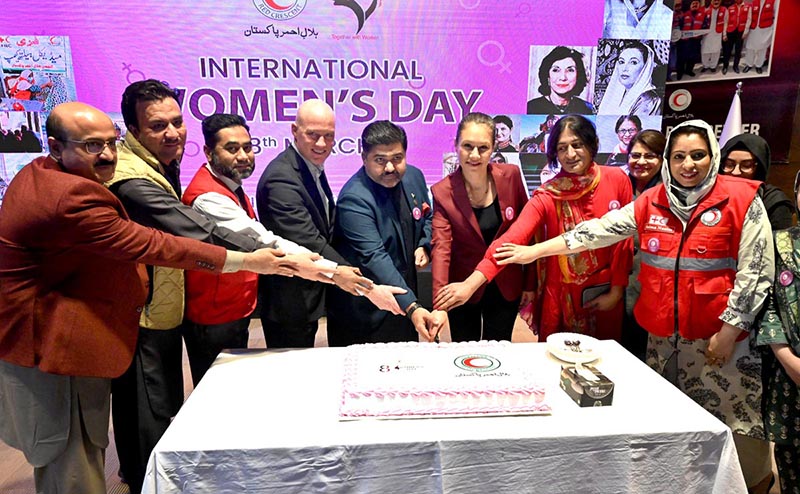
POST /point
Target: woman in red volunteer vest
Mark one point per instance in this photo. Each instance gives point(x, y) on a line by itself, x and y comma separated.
point(707, 265)
point(583, 293)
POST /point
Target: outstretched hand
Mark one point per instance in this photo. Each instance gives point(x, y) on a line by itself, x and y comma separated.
point(267, 261)
point(429, 324)
point(452, 296)
point(303, 265)
point(515, 254)
point(382, 296)
point(349, 279)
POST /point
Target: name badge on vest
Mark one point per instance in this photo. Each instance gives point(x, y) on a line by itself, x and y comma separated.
point(711, 217)
point(658, 223)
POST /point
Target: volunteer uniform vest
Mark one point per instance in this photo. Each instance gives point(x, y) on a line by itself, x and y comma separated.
point(223, 298)
point(164, 309)
point(737, 18)
point(743, 10)
point(692, 20)
point(767, 14)
point(716, 24)
point(687, 276)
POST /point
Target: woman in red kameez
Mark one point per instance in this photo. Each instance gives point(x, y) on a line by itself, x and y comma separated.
point(583, 292)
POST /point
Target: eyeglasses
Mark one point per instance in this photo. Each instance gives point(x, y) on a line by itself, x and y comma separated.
point(745, 166)
point(646, 156)
point(96, 146)
point(627, 131)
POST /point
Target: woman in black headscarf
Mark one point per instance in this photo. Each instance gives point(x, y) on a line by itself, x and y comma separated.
point(748, 156)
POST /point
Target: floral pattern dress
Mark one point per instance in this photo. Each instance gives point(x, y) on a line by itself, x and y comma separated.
point(781, 325)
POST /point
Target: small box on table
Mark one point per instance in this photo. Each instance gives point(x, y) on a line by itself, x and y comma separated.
point(586, 385)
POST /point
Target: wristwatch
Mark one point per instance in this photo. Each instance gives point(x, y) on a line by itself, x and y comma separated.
point(411, 308)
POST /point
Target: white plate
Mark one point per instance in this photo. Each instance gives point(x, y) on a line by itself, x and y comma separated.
point(587, 347)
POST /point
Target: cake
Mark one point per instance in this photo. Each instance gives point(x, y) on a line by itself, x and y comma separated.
point(397, 380)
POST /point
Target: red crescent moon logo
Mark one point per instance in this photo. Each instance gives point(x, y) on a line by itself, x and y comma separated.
point(680, 100)
point(481, 364)
point(274, 5)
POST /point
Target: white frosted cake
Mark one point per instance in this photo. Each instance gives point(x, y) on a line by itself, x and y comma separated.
point(396, 380)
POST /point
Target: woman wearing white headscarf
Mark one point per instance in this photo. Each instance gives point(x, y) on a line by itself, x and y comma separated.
point(630, 90)
point(636, 19)
point(706, 267)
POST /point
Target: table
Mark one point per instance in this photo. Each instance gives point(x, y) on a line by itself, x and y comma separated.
point(267, 421)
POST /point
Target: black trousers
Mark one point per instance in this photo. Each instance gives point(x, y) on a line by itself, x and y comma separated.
point(205, 341)
point(492, 318)
point(634, 337)
point(344, 332)
point(733, 44)
point(145, 398)
point(280, 335)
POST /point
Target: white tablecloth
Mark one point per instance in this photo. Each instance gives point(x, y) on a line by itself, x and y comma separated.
point(267, 421)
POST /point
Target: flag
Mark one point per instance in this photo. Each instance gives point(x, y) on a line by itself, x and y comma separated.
point(733, 124)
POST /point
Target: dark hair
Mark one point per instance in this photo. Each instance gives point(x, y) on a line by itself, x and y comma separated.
point(503, 119)
point(214, 123)
point(559, 53)
point(651, 139)
point(475, 118)
point(636, 45)
point(580, 126)
point(147, 90)
point(382, 133)
point(631, 118)
point(687, 130)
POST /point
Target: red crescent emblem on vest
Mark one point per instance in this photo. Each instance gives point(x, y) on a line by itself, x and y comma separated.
point(509, 213)
point(417, 214)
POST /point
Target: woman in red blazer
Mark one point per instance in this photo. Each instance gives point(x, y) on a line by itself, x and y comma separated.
point(473, 206)
point(577, 293)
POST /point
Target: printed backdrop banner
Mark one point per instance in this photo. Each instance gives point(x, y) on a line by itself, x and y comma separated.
point(769, 73)
point(422, 65)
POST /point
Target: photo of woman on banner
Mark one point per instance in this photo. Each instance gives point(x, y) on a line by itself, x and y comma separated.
point(637, 19)
point(625, 128)
point(562, 78)
point(503, 138)
point(630, 89)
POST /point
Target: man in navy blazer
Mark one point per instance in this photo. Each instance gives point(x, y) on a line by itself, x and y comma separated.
point(383, 226)
point(295, 201)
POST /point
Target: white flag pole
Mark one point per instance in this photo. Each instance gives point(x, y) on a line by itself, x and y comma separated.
point(733, 124)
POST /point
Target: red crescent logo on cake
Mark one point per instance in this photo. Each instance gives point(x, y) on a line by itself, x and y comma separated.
point(477, 363)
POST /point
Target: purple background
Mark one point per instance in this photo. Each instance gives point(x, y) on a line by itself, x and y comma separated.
point(462, 46)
